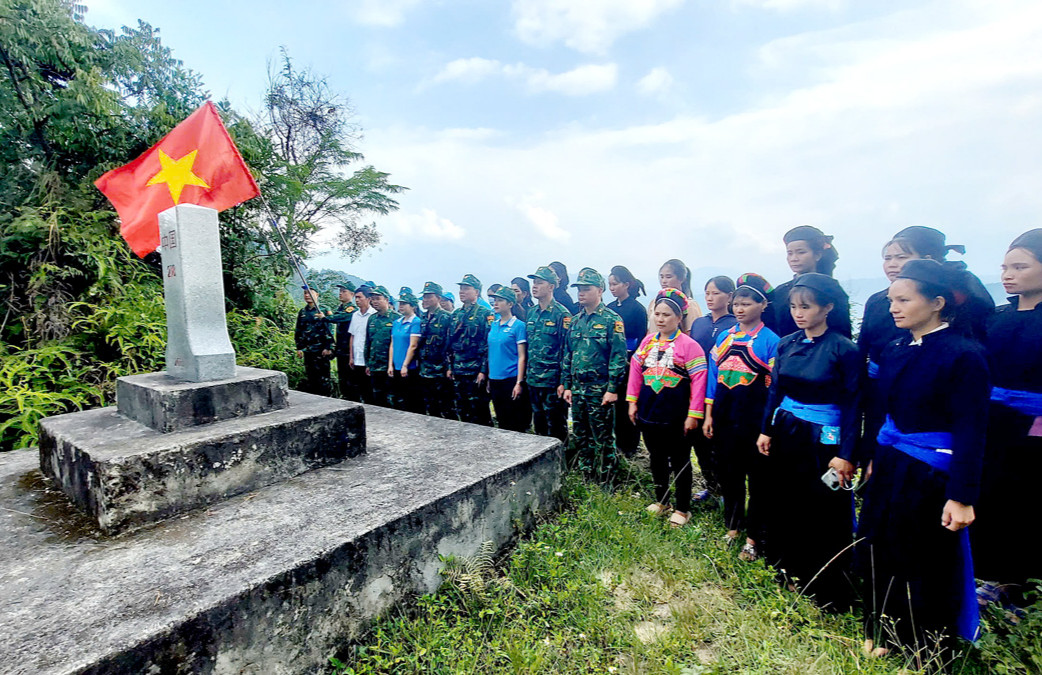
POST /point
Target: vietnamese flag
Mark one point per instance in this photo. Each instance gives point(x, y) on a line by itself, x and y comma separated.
point(196, 163)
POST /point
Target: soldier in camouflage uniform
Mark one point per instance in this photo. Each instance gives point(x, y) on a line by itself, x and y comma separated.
point(314, 340)
point(378, 344)
point(433, 351)
point(341, 318)
point(593, 370)
point(468, 354)
point(547, 327)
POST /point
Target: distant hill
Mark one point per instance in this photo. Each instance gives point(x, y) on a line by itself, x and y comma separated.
point(325, 282)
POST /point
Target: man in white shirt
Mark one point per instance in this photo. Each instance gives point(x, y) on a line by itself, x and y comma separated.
point(357, 330)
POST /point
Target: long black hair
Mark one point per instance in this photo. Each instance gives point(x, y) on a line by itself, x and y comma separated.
point(722, 283)
point(635, 285)
point(681, 270)
point(925, 242)
point(819, 242)
point(562, 273)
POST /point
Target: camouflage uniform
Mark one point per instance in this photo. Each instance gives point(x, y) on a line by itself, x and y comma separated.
point(594, 364)
point(342, 318)
point(378, 350)
point(435, 384)
point(468, 356)
point(547, 332)
point(313, 336)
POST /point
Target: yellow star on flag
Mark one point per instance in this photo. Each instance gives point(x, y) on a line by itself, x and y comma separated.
point(176, 173)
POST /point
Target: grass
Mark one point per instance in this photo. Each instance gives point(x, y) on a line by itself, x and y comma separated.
point(603, 587)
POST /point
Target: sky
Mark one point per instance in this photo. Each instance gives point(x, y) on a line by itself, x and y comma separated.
point(628, 132)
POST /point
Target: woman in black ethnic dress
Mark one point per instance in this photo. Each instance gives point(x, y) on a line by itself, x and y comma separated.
point(810, 431)
point(1013, 461)
point(913, 553)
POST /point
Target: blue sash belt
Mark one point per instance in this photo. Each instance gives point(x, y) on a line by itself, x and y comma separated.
point(873, 369)
point(1027, 402)
point(825, 414)
point(632, 344)
point(926, 448)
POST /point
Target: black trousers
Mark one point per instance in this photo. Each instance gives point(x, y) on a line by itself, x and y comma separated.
point(316, 374)
point(361, 384)
point(471, 400)
point(405, 392)
point(438, 399)
point(670, 452)
point(707, 451)
point(738, 460)
point(381, 387)
point(345, 380)
point(512, 414)
point(549, 413)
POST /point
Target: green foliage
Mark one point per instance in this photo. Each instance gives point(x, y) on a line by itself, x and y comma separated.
point(603, 587)
point(77, 308)
point(1013, 647)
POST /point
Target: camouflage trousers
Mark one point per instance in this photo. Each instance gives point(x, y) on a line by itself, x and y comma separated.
point(549, 413)
point(317, 374)
point(438, 397)
point(472, 400)
point(593, 436)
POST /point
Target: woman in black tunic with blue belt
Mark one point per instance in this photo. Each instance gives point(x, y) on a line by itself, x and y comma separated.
point(1013, 461)
point(925, 478)
point(810, 432)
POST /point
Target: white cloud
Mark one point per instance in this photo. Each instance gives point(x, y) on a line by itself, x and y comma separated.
point(427, 224)
point(580, 81)
point(657, 81)
point(939, 124)
point(588, 26)
point(790, 5)
point(384, 13)
point(543, 219)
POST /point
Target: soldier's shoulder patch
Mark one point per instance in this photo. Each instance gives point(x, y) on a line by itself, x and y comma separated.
point(350, 309)
point(619, 327)
point(567, 321)
point(490, 317)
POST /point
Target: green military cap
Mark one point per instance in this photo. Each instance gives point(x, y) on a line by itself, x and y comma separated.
point(589, 277)
point(380, 290)
point(431, 287)
point(347, 286)
point(506, 293)
point(546, 274)
point(471, 280)
point(406, 295)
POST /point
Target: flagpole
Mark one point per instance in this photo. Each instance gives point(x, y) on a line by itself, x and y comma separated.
point(285, 242)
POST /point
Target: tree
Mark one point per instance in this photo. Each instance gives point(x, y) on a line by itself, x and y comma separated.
point(312, 138)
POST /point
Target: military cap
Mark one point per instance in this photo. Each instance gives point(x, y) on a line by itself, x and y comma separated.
point(546, 274)
point(406, 295)
point(449, 296)
point(380, 290)
point(348, 286)
point(431, 287)
point(589, 277)
point(506, 293)
point(470, 280)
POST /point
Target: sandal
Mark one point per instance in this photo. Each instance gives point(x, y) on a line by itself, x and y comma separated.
point(748, 553)
point(679, 519)
point(657, 509)
point(730, 539)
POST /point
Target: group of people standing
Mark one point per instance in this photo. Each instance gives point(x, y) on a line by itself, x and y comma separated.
point(934, 413)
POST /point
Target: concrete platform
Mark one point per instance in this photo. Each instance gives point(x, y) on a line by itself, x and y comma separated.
point(126, 475)
point(167, 404)
point(268, 582)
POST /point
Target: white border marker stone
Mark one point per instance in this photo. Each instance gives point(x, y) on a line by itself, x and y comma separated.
point(197, 345)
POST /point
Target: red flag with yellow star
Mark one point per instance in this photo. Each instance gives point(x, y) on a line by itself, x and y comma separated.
point(196, 163)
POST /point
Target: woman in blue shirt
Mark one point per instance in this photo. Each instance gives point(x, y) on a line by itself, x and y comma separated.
point(402, 364)
point(507, 338)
